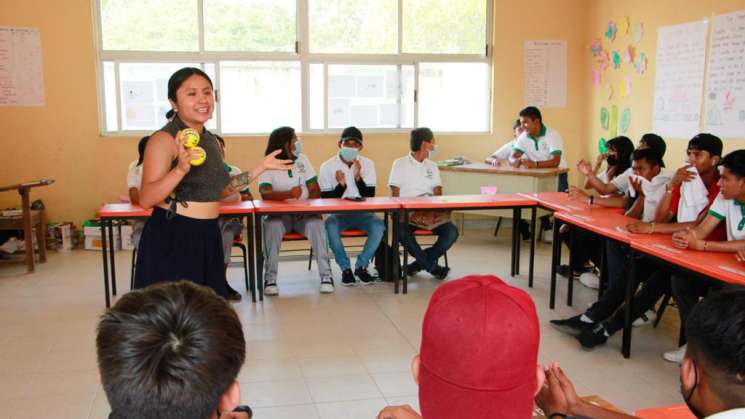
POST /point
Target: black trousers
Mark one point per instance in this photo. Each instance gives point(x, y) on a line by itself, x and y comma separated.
point(172, 249)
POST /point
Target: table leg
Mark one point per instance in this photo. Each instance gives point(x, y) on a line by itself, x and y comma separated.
point(514, 241)
point(533, 213)
point(251, 255)
point(518, 240)
point(395, 262)
point(386, 255)
point(626, 346)
point(555, 259)
point(112, 255)
point(405, 228)
point(572, 256)
point(259, 258)
point(105, 265)
point(603, 273)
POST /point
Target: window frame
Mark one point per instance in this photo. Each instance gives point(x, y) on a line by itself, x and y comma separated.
point(301, 55)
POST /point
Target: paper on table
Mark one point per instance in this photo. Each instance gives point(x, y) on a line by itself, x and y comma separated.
point(679, 79)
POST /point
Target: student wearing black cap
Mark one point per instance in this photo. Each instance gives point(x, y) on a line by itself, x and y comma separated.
point(350, 175)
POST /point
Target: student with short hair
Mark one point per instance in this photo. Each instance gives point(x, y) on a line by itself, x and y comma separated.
point(417, 175)
point(300, 182)
point(170, 351)
point(351, 175)
point(539, 146)
point(479, 353)
point(712, 373)
point(606, 316)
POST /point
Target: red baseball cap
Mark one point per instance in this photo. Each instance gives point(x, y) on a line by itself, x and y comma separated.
point(479, 351)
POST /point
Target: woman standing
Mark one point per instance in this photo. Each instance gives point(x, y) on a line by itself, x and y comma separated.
point(182, 239)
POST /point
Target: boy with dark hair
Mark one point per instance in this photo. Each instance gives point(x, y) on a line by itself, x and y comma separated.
point(539, 146)
point(417, 175)
point(170, 351)
point(352, 176)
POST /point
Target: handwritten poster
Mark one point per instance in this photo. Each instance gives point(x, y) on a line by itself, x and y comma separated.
point(679, 82)
point(546, 73)
point(21, 71)
point(725, 82)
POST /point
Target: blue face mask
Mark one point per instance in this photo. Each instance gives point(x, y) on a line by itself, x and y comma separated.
point(298, 149)
point(433, 152)
point(348, 153)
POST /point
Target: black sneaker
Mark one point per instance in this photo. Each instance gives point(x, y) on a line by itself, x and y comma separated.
point(593, 338)
point(347, 278)
point(440, 272)
point(364, 276)
point(572, 326)
point(233, 295)
point(413, 268)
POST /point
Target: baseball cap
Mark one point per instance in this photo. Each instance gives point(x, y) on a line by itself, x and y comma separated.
point(479, 351)
point(351, 133)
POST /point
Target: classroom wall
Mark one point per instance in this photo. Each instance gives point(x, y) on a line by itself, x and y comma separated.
point(653, 14)
point(61, 140)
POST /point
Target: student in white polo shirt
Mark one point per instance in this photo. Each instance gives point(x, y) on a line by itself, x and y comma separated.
point(350, 175)
point(539, 146)
point(504, 153)
point(299, 183)
point(417, 175)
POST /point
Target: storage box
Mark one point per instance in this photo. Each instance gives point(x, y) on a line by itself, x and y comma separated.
point(93, 237)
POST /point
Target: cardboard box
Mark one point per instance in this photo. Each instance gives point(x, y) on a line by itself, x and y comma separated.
point(126, 231)
point(93, 241)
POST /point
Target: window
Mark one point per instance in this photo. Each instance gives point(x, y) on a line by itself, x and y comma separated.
point(316, 65)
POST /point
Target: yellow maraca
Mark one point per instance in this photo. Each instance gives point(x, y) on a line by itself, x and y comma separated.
point(190, 137)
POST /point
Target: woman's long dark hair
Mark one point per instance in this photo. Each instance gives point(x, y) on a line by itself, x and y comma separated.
point(278, 139)
point(141, 149)
point(623, 148)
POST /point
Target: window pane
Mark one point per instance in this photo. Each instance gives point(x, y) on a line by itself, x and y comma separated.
point(109, 93)
point(144, 94)
point(454, 96)
point(353, 26)
point(367, 96)
point(249, 25)
point(259, 96)
point(149, 25)
point(444, 26)
point(317, 90)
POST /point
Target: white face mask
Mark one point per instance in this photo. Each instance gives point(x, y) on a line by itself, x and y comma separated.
point(348, 153)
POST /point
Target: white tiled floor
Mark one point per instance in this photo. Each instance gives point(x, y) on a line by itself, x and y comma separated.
point(344, 355)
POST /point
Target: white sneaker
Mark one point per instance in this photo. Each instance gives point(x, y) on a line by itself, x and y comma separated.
point(327, 285)
point(647, 318)
point(270, 289)
point(676, 355)
point(590, 280)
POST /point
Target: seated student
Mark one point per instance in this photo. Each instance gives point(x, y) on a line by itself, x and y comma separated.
point(606, 316)
point(231, 227)
point(170, 351)
point(588, 246)
point(620, 183)
point(417, 175)
point(134, 183)
point(479, 353)
point(350, 175)
point(539, 146)
point(504, 153)
point(726, 210)
point(298, 183)
point(712, 373)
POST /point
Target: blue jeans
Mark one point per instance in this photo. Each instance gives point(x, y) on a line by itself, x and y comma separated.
point(372, 225)
point(446, 234)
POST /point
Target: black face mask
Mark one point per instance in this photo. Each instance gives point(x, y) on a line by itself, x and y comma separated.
point(687, 398)
point(612, 160)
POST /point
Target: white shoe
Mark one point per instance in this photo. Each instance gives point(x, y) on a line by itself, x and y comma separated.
point(647, 318)
point(271, 289)
point(676, 355)
point(327, 285)
point(590, 280)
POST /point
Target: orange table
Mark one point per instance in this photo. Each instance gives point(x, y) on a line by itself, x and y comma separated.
point(319, 206)
point(471, 202)
point(108, 213)
point(679, 411)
